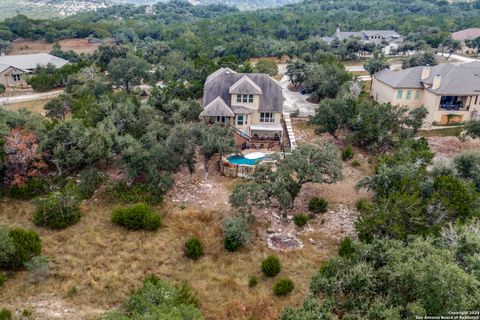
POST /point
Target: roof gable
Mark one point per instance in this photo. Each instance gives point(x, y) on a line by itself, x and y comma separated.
point(245, 86)
point(217, 108)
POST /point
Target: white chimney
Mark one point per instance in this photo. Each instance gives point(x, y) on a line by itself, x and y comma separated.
point(425, 73)
point(436, 82)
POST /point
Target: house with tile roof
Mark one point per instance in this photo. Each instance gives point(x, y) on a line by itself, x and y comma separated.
point(450, 92)
point(15, 68)
point(466, 35)
point(389, 38)
point(252, 103)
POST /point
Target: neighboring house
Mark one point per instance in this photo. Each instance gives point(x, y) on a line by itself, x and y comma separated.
point(13, 69)
point(464, 35)
point(450, 92)
point(389, 38)
point(251, 102)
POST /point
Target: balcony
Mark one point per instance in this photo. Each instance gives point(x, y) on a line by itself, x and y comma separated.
point(453, 103)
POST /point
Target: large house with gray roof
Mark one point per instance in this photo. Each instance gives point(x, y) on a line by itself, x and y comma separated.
point(251, 102)
point(389, 38)
point(15, 68)
point(450, 92)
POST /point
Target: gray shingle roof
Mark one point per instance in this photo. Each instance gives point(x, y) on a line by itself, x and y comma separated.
point(364, 35)
point(383, 33)
point(3, 67)
point(217, 108)
point(31, 61)
point(218, 85)
point(343, 35)
point(245, 86)
point(456, 79)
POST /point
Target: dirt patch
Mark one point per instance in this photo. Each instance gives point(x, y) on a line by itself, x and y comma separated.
point(283, 59)
point(195, 191)
point(77, 45)
point(448, 147)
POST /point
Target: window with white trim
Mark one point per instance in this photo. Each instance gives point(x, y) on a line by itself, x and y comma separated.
point(241, 119)
point(245, 98)
point(267, 117)
point(16, 77)
point(417, 94)
point(399, 94)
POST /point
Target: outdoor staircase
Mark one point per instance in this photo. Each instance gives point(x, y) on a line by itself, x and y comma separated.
point(289, 131)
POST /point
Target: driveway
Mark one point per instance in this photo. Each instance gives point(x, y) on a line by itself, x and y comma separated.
point(457, 57)
point(30, 97)
point(295, 100)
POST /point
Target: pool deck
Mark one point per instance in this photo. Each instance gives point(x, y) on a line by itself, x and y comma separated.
point(264, 151)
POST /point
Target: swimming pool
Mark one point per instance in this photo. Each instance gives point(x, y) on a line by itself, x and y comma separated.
point(241, 160)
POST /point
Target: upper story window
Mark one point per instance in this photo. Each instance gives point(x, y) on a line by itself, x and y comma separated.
point(399, 94)
point(16, 77)
point(409, 94)
point(267, 117)
point(417, 94)
point(245, 98)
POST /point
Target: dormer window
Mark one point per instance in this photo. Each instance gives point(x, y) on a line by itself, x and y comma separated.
point(245, 98)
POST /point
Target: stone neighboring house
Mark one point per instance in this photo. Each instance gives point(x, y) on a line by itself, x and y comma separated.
point(251, 102)
point(450, 92)
point(389, 38)
point(464, 35)
point(15, 68)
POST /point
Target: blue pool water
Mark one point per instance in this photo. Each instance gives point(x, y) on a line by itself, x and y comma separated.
point(239, 160)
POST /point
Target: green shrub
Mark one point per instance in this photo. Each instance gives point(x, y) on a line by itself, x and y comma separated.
point(27, 245)
point(33, 188)
point(317, 205)
point(39, 268)
point(193, 248)
point(135, 193)
point(362, 204)
point(5, 314)
point(137, 217)
point(301, 220)
point(283, 286)
point(3, 279)
point(2, 88)
point(90, 180)
point(235, 233)
point(252, 281)
point(158, 299)
point(7, 249)
point(346, 247)
point(271, 266)
point(356, 163)
point(347, 153)
point(58, 210)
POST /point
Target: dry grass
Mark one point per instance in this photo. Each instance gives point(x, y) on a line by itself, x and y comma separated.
point(105, 262)
point(35, 106)
point(29, 46)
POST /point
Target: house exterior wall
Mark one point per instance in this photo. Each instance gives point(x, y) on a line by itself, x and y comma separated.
point(382, 93)
point(255, 105)
point(6, 78)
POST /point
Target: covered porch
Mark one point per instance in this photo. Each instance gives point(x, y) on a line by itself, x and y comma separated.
point(455, 103)
point(265, 135)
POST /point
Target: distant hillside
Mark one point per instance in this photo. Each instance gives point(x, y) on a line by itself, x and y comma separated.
point(60, 8)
